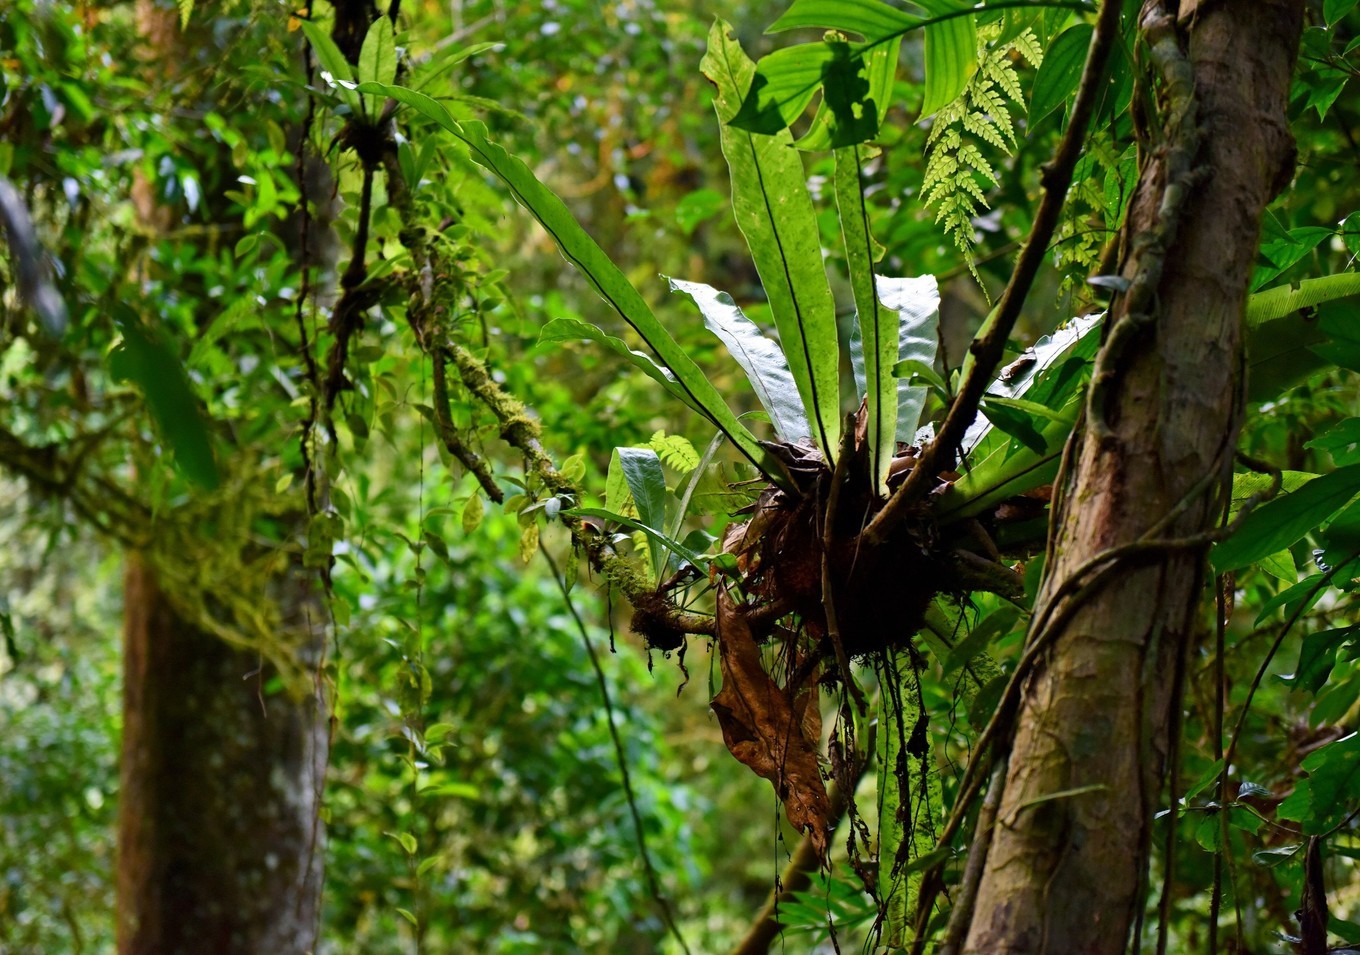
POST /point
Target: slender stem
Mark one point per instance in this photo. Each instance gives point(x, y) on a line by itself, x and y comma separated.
point(653, 883)
point(797, 873)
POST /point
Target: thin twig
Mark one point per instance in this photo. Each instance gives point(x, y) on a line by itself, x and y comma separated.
point(652, 882)
point(1324, 581)
point(797, 873)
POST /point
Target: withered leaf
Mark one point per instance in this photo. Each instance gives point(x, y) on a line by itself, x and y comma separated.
point(774, 734)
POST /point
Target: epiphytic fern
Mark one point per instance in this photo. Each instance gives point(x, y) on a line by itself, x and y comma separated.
point(1102, 183)
point(957, 170)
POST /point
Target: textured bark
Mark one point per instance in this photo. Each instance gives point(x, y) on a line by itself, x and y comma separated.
point(219, 838)
point(1066, 865)
point(219, 843)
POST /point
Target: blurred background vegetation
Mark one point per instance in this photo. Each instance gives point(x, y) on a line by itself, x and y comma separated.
point(515, 791)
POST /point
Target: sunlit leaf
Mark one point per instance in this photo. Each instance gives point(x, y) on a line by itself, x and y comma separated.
point(951, 53)
point(333, 63)
point(1056, 80)
point(641, 468)
point(761, 358)
point(1274, 303)
point(774, 212)
point(875, 322)
point(377, 61)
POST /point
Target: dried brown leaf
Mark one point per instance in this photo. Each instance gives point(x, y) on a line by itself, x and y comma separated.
point(774, 734)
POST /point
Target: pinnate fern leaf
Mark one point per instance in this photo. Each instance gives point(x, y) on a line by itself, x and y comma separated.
point(958, 172)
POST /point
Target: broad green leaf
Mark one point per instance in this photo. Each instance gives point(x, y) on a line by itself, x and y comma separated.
point(784, 85)
point(951, 54)
point(1341, 441)
point(1278, 523)
point(1015, 421)
point(641, 469)
point(857, 89)
point(762, 360)
point(473, 511)
point(337, 71)
point(951, 43)
point(1057, 78)
point(1283, 250)
point(1323, 799)
point(1269, 858)
point(1042, 374)
point(876, 324)
point(1281, 565)
point(1309, 589)
point(774, 211)
point(1350, 226)
point(1006, 473)
point(1334, 10)
point(1317, 656)
point(144, 360)
point(408, 841)
point(617, 497)
point(570, 329)
point(1342, 346)
point(1206, 779)
point(377, 62)
point(599, 269)
point(1282, 300)
point(1248, 484)
point(871, 19)
point(916, 303)
point(855, 80)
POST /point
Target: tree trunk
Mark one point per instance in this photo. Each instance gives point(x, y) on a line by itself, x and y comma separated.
point(219, 842)
point(1067, 861)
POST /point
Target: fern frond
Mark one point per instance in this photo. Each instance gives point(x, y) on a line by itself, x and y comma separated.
point(1089, 219)
point(958, 172)
point(1027, 45)
point(971, 156)
point(1001, 71)
point(985, 129)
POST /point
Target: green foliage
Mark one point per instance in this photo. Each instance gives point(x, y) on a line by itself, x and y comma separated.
point(774, 211)
point(582, 251)
point(474, 802)
point(140, 358)
point(855, 79)
point(968, 126)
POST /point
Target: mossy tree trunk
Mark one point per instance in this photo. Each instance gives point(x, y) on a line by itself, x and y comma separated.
point(219, 842)
point(1067, 859)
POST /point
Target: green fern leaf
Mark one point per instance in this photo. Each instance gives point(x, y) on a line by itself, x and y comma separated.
point(1027, 45)
point(957, 170)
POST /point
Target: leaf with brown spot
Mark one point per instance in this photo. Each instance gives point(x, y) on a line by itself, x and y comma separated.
point(765, 729)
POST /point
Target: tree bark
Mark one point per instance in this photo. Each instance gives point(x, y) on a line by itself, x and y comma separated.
point(1067, 861)
point(219, 842)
